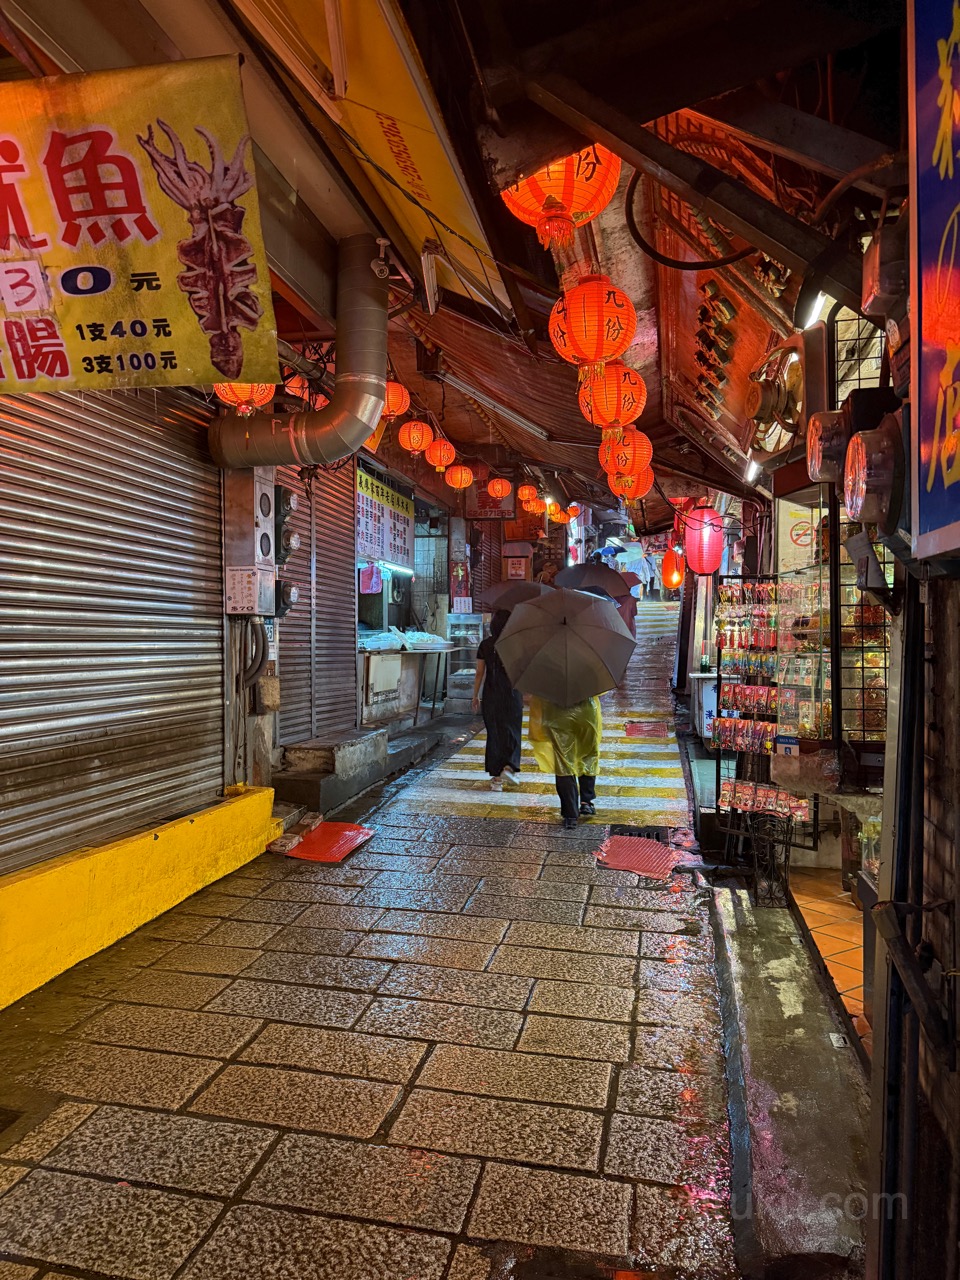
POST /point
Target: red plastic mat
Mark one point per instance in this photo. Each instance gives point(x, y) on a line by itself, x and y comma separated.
point(331, 842)
point(638, 853)
point(646, 729)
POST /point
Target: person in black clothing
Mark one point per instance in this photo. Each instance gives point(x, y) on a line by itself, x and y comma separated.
point(502, 708)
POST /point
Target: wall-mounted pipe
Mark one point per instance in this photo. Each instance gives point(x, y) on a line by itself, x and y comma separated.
point(339, 428)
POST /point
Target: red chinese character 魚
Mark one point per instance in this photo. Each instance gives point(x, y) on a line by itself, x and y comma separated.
point(95, 189)
point(14, 226)
point(36, 347)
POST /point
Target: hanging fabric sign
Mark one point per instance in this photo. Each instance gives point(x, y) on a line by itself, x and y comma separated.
point(131, 253)
point(384, 523)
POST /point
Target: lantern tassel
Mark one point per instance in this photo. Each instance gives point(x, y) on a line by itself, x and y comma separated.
point(592, 371)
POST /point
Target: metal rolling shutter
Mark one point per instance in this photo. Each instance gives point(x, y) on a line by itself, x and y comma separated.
point(335, 697)
point(111, 618)
point(317, 648)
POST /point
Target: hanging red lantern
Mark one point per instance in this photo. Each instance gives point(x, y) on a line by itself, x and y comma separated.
point(634, 486)
point(625, 452)
point(415, 436)
point(703, 541)
point(574, 510)
point(672, 569)
point(565, 194)
point(440, 454)
point(529, 507)
point(560, 517)
point(527, 492)
point(499, 488)
point(245, 397)
point(593, 323)
point(536, 506)
point(396, 400)
point(459, 477)
point(615, 399)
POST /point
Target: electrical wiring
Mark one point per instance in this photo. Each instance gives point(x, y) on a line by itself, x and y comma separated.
point(651, 251)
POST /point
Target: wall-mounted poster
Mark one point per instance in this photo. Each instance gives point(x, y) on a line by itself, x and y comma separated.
point(934, 63)
point(384, 523)
point(131, 253)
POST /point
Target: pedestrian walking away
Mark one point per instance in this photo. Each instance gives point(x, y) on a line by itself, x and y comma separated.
point(502, 708)
point(566, 743)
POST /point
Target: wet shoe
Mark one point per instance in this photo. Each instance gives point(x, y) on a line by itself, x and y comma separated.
point(510, 778)
point(496, 784)
point(569, 824)
point(587, 809)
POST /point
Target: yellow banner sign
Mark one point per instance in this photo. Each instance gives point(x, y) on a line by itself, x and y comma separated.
point(131, 253)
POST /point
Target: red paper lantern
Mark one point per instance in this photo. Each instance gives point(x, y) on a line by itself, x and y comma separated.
point(703, 541)
point(529, 507)
point(625, 452)
point(672, 569)
point(632, 487)
point(565, 194)
point(415, 436)
point(536, 506)
point(440, 454)
point(499, 488)
point(574, 510)
point(593, 323)
point(615, 399)
point(245, 397)
point(527, 492)
point(396, 401)
point(459, 477)
point(560, 517)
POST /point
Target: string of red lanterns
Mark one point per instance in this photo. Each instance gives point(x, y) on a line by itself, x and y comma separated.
point(594, 323)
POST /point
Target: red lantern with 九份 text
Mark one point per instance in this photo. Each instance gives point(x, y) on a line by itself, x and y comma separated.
point(615, 399)
point(459, 477)
point(440, 454)
point(565, 194)
point(499, 488)
point(672, 569)
point(625, 452)
point(593, 323)
point(574, 510)
point(703, 540)
point(560, 517)
point(632, 487)
point(415, 436)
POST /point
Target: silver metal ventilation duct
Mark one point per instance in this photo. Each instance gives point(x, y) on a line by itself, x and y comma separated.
point(340, 428)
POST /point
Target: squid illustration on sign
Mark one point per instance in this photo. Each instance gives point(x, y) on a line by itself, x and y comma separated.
point(218, 257)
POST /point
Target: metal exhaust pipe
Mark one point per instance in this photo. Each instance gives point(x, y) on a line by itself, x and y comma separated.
point(339, 428)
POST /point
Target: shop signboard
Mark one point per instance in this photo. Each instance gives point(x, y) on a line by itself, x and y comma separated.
point(798, 535)
point(384, 523)
point(934, 99)
point(481, 506)
point(131, 253)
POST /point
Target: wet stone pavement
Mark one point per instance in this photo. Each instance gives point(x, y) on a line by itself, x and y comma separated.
point(462, 1053)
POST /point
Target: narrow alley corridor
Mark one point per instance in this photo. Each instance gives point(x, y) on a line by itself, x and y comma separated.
point(464, 1053)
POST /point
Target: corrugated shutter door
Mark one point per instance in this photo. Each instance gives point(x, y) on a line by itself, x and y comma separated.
point(111, 618)
point(489, 567)
point(335, 696)
point(294, 631)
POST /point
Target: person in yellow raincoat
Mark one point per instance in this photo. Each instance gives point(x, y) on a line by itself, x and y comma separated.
point(566, 743)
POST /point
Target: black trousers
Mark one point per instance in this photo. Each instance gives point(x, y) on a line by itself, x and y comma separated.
point(575, 791)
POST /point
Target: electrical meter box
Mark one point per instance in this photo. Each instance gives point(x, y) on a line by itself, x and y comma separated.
point(249, 541)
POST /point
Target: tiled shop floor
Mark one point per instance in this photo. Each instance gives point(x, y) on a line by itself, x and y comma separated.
point(836, 926)
point(462, 1044)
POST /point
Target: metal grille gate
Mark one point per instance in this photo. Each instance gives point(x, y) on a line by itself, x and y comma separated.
point(111, 618)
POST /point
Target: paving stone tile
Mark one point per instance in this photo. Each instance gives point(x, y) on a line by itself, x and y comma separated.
point(475, 867)
point(682, 1008)
point(631, 918)
point(298, 1100)
point(540, 889)
point(433, 880)
point(342, 1053)
point(528, 1077)
point(489, 904)
point(583, 1000)
point(388, 826)
point(442, 925)
point(555, 1210)
point(475, 1126)
point(15, 1271)
point(85, 1223)
point(571, 856)
point(496, 853)
point(674, 1095)
point(341, 873)
point(240, 933)
point(675, 976)
point(11, 1174)
point(587, 875)
point(268, 866)
point(411, 846)
point(679, 1048)
point(393, 862)
point(134, 950)
point(330, 942)
point(433, 1020)
point(179, 928)
point(413, 899)
point(318, 971)
point(658, 1150)
point(286, 1002)
point(611, 942)
point(108, 1073)
point(208, 903)
point(334, 917)
point(243, 885)
point(181, 1152)
point(449, 952)
point(362, 1180)
point(299, 889)
point(677, 948)
point(51, 1130)
point(469, 1263)
point(50, 1010)
point(144, 1026)
point(458, 986)
point(196, 958)
point(174, 990)
point(647, 899)
point(575, 1038)
point(569, 966)
point(254, 1242)
point(684, 1233)
point(267, 911)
